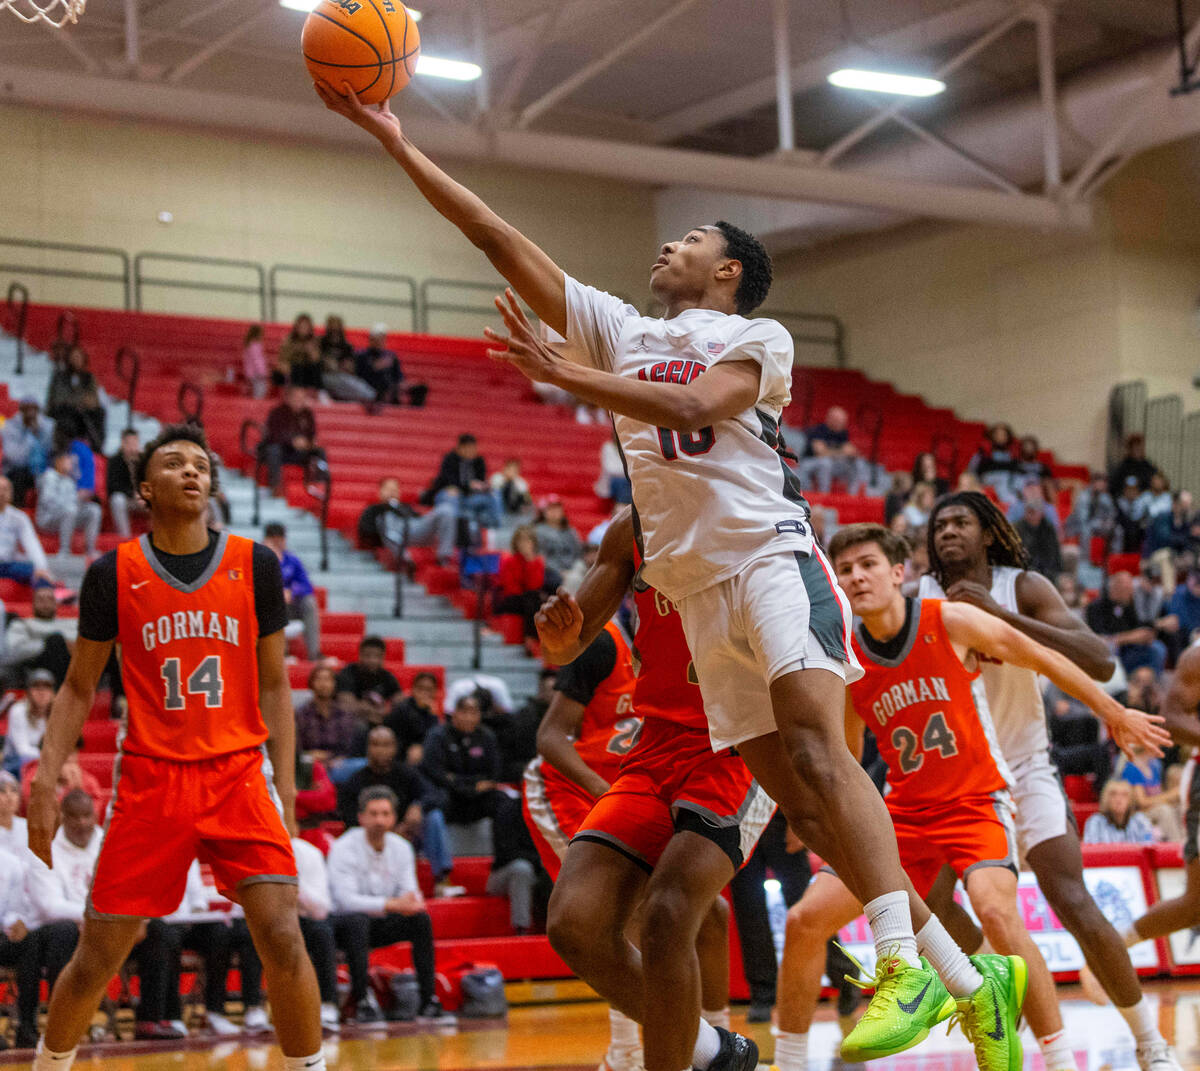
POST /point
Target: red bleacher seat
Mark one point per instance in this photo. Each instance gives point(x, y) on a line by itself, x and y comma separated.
point(1124, 563)
point(100, 736)
point(100, 765)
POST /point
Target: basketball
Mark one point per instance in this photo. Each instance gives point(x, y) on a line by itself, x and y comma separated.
point(372, 44)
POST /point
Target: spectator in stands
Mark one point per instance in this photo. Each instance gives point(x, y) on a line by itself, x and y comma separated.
point(524, 581)
point(298, 591)
point(925, 470)
point(613, 482)
point(1131, 521)
point(254, 362)
point(122, 496)
point(56, 898)
point(394, 524)
point(381, 368)
point(339, 372)
point(832, 456)
point(1076, 744)
point(510, 488)
point(994, 463)
point(290, 437)
point(1144, 774)
point(919, 505)
point(462, 760)
point(18, 951)
point(1118, 820)
point(421, 820)
point(1094, 512)
point(489, 691)
point(1038, 534)
point(299, 360)
point(1033, 494)
point(1156, 499)
point(372, 872)
point(42, 641)
point(365, 686)
point(27, 720)
point(462, 480)
point(316, 794)
point(74, 392)
point(1114, 618)
point(517, 872)
point(1185, 606)
point(1029, 468)
point(557, 540)
point(1143, 691)
point(1171, 534)
point(13, 831)
point(517, 735)
point(897, 495)
point(62, 508)
point(1134, 464)
point(326, 728)
point(68, 436)
point(27, 439)
point(413, 717)
point(71, 776)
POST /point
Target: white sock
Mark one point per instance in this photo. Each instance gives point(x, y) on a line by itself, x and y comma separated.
point(957, 973)
point(1130, 936)
point(45, 1060)
point(1056, 1052)
point(791, 1051)
point(720, 1017)
point(1143, 1022)
point(708, 1044)
point(623, 1032)
point(316, 1062)
point(891, 924)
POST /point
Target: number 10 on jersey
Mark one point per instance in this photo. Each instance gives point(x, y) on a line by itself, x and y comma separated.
point(691, 443)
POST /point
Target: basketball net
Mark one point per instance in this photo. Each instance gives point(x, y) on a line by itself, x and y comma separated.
point(55, 12)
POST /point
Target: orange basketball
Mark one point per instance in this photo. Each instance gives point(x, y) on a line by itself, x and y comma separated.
point(372, 44)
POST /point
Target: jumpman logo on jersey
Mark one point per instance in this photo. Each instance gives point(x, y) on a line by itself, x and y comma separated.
point(641, 347)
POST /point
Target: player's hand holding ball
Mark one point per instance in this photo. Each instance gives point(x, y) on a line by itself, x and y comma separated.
point(559, 622)
point(376, 119)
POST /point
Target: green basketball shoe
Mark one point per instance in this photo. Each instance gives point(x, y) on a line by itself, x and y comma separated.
point(908, 1001)
point(989, 1015)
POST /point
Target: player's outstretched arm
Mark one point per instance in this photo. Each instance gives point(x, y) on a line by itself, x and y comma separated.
point(67, 715)
point(559, 727)
point(525, 265)
point(722, 392)
point(568, 624)
point(1045, 618)
point(1181, 705)
point(275, 702)
point(979, 630)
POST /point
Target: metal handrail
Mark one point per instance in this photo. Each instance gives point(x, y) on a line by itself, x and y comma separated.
point(20, 315)
point(428, 304)
point(317, 475)
point(194, 414)
point(129, 368)
point(876, 430)
point(140, 280)
point(274, 291)
point(123, 279)
point(256, 457)
point(65, 318)
point(837, 341)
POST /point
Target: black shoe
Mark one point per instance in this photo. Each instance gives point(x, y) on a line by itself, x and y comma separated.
point(27, 1038)
point(759, 1011)
point(737, 1053)
point(368, 1010)
point(433, 1012)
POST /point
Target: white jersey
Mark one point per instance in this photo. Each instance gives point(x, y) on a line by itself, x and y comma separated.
point(708, 502)
point(1013, 694)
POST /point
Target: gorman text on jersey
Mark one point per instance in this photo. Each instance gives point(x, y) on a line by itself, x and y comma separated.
point(190, 625)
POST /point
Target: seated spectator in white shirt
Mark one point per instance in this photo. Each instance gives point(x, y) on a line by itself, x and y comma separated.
point(1118, 821)
point(372, 872)
point(21, 555)
point(28, 439)
point(14, 834)
point(27, 720)
point(18, 950)
point(63, 507)
point(41, 641)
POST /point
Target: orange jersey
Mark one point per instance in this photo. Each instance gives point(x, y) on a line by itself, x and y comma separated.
point(667, 686)
point(189, 654)
point(930, 717)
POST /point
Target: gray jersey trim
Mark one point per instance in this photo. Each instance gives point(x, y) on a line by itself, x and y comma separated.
point(178, 585)
point(914, 629)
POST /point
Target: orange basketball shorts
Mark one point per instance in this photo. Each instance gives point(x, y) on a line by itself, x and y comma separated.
point(974, 832)
point(554, 809)
point(164, 814)
point(673, 781)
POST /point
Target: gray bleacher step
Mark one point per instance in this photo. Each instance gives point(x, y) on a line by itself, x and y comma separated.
point(462, 653)
point(420, 629)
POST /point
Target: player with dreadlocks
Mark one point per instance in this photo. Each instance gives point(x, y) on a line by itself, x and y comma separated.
point(976, 556)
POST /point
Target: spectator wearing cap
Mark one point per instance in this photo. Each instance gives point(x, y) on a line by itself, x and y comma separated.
point(28, 440)
point(338, 367)
point(394, 524)
point(64, 506)
point(122, 496)
point(27, 720)
point(298, 591)
point(41, 641)
point(462, 480)
point(290, 437)
point(1134, 464)
point(557, 540)
point(21, 555)
point(380, 367)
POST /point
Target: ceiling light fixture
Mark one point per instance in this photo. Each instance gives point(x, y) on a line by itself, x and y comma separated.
point(308, 5)
point(455, 70)
point(906, 85)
